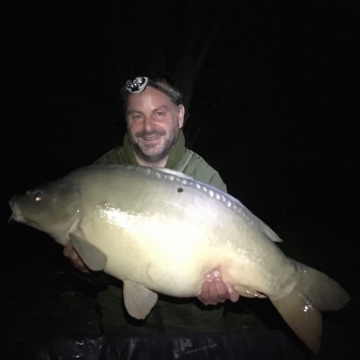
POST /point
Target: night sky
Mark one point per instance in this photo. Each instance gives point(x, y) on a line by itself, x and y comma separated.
point(274, 106)
point(273, 109)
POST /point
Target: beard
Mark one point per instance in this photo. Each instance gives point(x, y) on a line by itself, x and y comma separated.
point(153, 155)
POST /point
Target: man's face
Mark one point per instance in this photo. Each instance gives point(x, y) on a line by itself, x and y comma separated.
point(153, 124)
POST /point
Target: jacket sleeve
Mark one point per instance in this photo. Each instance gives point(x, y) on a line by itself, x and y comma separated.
point(111, 157)
point(217, 182)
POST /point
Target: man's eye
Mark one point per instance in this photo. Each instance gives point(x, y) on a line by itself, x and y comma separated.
point(159, 113)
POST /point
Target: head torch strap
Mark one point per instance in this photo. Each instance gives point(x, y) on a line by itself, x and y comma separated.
point(139, 84)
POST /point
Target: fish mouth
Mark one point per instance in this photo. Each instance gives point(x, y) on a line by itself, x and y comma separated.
point(16, 212)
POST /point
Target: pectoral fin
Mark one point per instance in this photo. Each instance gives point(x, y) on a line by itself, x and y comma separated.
point(138, 299)
point(90, 255)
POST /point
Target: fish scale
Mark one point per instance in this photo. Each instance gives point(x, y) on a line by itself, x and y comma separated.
point(158, 230)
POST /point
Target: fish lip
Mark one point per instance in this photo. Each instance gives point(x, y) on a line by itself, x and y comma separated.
point(16, 212)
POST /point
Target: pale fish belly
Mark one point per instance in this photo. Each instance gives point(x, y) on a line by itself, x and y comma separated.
point(169, 257)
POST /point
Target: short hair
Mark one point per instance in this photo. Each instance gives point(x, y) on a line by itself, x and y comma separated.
point(161, 80)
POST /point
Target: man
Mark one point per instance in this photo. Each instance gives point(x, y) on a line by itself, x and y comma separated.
point(154, 117)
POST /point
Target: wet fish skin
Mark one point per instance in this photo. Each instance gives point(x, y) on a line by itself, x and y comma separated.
point(161, 231)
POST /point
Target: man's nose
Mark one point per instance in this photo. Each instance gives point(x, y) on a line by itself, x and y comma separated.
point(148, 123)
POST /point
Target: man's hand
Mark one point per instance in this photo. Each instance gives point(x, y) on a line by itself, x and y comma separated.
point(75, 259)
point(214, 290)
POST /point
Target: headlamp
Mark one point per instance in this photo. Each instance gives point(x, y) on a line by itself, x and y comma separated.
point(139, 84)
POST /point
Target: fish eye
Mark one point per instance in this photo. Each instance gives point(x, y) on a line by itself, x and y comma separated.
point(37, 195)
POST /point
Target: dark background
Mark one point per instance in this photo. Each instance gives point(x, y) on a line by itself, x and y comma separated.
point(274, 108)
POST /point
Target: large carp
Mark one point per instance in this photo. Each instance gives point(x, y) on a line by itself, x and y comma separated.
point(160, 231)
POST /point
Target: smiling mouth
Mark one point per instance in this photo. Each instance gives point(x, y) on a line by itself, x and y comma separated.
point(151, 138)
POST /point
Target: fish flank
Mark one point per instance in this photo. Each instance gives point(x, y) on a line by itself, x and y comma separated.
point(159, 230)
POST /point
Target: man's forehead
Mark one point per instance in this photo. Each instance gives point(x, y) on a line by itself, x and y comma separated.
point(149, 98)
point(134, 110)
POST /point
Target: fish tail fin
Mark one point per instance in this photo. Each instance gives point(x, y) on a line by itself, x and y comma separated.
point(301, 308)
point(305, 321)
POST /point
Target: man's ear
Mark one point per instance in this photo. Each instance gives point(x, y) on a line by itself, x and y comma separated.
point(181, 115)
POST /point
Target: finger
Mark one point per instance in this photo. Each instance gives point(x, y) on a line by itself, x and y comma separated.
point(213, 295)
point(220, 289)
point(204, 293)
point(79, 263)
point(232, 293)
point(221, 292)
point(67, 249)
point(81, 266)
point(73, 256)
point(213, 289)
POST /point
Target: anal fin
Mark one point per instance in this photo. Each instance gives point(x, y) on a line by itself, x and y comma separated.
point(138, 299)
